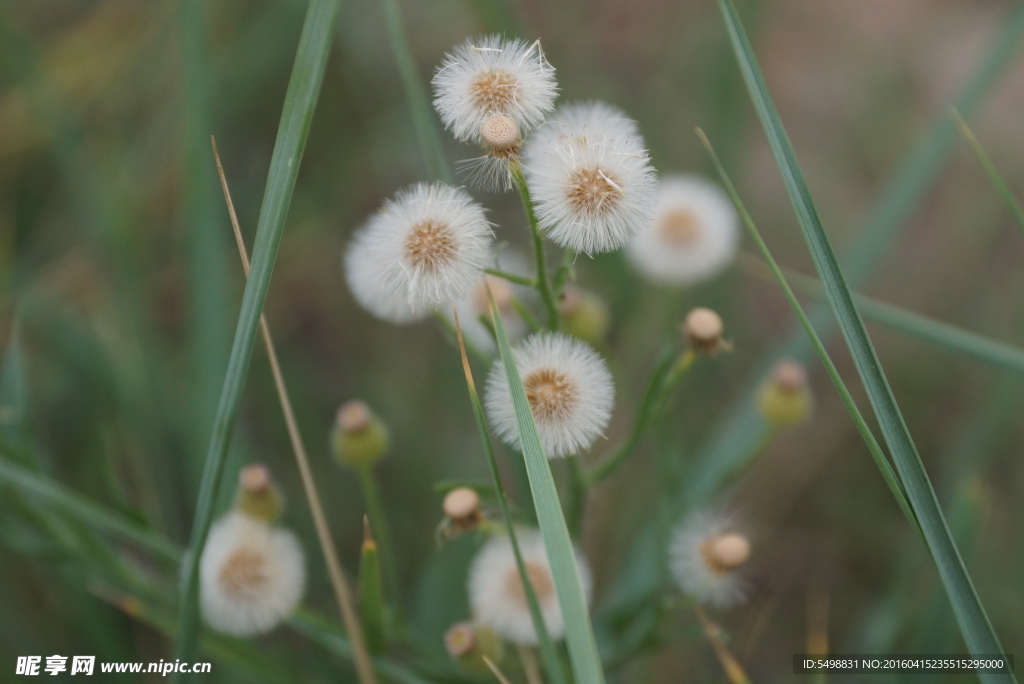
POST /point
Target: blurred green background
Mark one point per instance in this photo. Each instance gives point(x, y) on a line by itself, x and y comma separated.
point(120, 287)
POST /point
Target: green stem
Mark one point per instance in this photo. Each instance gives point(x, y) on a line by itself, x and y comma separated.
point(511, 277)
point(542, 283)
point(379, 526)
point(990, 169)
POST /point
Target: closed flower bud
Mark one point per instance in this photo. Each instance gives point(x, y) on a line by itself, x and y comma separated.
point(706, 552)
point(703, 329)
point(785, 396)
point(462, 509)
point(585, 315)
point(258, 496)
point(468, 644)
point(359, 438)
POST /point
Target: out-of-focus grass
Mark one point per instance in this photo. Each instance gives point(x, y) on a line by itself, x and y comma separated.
point(102, 217)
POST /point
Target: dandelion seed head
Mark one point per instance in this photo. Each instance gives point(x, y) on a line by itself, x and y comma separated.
point(569, 389)
point(424, 249)
point(705, 555)
point(496, 593)
point(490, 76)
point(693, 236)
point(252, 575)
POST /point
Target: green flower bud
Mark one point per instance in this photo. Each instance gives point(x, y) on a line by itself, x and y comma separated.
point(360, 438)
point(258, 496)
point(585, 315)
point(468, 644)
point(785, 397)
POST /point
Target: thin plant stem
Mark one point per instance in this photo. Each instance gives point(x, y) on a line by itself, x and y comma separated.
point(667, 374)
point(542, 283)
point(342, 591)
point(990, 169)
point(379, 525)
point(530, 669)
point(502, 679)
point(733, 670)
point(511, 277)
point(547, 650)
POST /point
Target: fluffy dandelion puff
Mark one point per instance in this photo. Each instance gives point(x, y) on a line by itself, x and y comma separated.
point(424, 249)
point(595, 119)
point(252, 575)
point(569, 389)
point(592, 183)
point(496, 594)
point(694, 234)
point(493, 77)
point(706, 553)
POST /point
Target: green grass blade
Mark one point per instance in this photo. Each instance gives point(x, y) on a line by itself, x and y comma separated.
point(974, 623)
point(579, 633)
point(371, 594)
point(862, 427)
point(951, 337)
point(547, 649)
point(423, 121)
point(300, 102)
point(990, 169)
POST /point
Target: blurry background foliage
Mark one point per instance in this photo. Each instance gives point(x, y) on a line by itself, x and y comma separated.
point(120, 284)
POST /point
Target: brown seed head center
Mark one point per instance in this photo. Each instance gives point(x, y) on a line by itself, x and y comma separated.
point(245, 574)
point(680, 228)
point(552, 395)
point(540, 578)
point(430, 245)
point(494, 91)
point(592, 190)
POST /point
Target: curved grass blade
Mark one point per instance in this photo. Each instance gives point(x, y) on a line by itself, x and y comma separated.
point(895, 486)
point(300, 102)
point(547, 648)
point(974, 624)
point(579, 633)
point(990, 169)
point(951, 337)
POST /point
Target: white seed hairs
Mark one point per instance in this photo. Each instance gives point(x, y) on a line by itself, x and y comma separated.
point(252, 575)
point(693, 236)
point(705, 554)
point(489, 76)
point(496, 594)
point(569, 389)
point(423, 250)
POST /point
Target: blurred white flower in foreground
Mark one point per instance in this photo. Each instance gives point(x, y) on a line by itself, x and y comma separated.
point(694, 234)
point(424, 249)
point(252, 575)
point(705, 555)
point(496, 594)
point(590, 179)
point(569, 389)
point(475, 304)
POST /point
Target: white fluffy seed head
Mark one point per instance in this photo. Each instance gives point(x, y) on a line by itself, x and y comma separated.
point(594, 118)
point(490, 76)
point(252, 575)
point(705, 555)
point(694, 234)
point(496, 595)
point(569, 389)
point(424, 249)
point(590, 179)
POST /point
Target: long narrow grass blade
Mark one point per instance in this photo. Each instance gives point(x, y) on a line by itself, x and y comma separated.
point(547, 648)
point(342, 592)
point(371, 593)
point(951, 337)
point(865, 432)
point(990, 169)
point(423, 121)
point(300, 102)
point(579, 633)
point(974, 624)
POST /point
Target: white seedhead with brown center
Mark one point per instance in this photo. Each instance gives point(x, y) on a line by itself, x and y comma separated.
point(706, 556)
point(569, 389)
point(590, 179)
point(423, 250)
point(491, 90)
point(694, 234)
point(252, 575)
point(496, 594)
